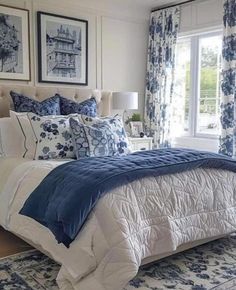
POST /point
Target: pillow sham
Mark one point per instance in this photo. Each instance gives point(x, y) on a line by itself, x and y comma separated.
point(115, 124)
point(92, 141)
point(53, 136)
point(11, 139)
point(22, 124)
point(49, 106)
point(87, 107)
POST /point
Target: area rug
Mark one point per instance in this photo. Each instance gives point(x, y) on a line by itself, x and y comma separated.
point(208, 267)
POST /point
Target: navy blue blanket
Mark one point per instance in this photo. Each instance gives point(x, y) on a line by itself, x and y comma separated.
point(64, 199)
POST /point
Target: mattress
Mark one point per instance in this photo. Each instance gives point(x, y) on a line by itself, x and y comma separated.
point(133, 222)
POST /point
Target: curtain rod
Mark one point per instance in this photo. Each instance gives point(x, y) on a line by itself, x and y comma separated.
point(173, 5)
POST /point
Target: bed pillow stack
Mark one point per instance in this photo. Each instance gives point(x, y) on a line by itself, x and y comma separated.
point(56, 105)
point(59, 128)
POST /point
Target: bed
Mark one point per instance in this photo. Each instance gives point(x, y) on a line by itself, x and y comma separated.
point(178, 212)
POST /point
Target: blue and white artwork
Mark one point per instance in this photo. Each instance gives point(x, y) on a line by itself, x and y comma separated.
point(62, 49)
point(14, 43)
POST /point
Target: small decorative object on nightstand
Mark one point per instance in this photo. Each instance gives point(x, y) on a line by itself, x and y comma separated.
point(136, 128)
point(139, 144)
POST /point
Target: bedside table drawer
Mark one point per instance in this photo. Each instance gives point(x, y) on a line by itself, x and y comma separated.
point(140, 144)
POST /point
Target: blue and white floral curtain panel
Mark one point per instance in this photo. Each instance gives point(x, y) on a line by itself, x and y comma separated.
point(228, 106)
point(163, 31)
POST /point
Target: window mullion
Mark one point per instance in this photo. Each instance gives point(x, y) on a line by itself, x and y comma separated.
point(194, 85)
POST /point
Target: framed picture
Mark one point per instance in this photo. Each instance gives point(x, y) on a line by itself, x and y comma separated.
point(136, 128)
point(14, 43)
point(62, 49)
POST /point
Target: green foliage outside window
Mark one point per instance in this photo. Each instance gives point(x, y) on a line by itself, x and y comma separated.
point(208, 82)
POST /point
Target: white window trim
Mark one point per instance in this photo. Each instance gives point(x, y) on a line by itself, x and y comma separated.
point(212, 29)
point(197, 143)
point(192, 139)
point(197, 60)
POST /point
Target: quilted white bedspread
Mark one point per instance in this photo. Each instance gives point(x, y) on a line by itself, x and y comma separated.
point(132, 222)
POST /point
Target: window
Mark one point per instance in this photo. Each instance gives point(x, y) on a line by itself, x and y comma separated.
point(197, 86)
point(182, 88)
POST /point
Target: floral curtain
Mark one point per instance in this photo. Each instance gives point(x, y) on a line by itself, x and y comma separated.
point(228, 106)
point(164, 27)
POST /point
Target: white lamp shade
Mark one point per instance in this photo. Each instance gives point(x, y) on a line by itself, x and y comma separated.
point(125, 100)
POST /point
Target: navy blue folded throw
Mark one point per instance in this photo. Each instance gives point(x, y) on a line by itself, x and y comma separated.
point(64, 199)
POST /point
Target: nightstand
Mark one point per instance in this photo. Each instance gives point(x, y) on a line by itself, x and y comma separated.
point(139, 144)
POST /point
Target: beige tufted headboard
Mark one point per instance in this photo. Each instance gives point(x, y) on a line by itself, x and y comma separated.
point(41, 93)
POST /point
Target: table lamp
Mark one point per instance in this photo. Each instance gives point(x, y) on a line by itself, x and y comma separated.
point(124, 101)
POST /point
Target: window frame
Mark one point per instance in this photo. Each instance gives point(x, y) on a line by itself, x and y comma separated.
point(195, 64)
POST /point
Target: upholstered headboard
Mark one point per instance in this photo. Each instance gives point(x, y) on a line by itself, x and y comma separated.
point(41, 93)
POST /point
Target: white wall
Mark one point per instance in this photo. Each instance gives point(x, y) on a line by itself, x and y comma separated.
point(117, 44)
point(201, 15)
point(123, 45)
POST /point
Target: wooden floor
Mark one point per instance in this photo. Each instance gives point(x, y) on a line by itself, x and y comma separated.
point(10, 244)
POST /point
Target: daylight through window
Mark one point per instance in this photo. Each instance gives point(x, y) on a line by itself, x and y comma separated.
point(197, 86)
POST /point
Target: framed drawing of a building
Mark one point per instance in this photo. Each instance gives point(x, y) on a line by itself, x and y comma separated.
point(62, 49)
point(14, 43)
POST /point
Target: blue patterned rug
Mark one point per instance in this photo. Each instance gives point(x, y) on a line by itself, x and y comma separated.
point(208, 267)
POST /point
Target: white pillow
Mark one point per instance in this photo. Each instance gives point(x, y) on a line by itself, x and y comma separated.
point(53, 135)
point(11, 139)
point(22, 124)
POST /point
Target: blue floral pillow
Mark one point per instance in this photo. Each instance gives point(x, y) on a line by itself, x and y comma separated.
point(115, 124)
point(22, 104)
point(92, 141)
point(87, 107)
point(53, 135)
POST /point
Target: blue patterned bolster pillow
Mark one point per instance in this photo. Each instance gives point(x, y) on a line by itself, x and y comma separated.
point(87, 107)
point(47, 107)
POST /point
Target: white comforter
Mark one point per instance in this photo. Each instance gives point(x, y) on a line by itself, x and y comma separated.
point(145, 218)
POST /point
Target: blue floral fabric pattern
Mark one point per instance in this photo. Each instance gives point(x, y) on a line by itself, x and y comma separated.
point(115, 124)
point(22, 104)
point(30, 270)
point(92, 141)
point(208, 267)
point(163, 31)
point(228, 85)
point(53, 135)
point(87, 107)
